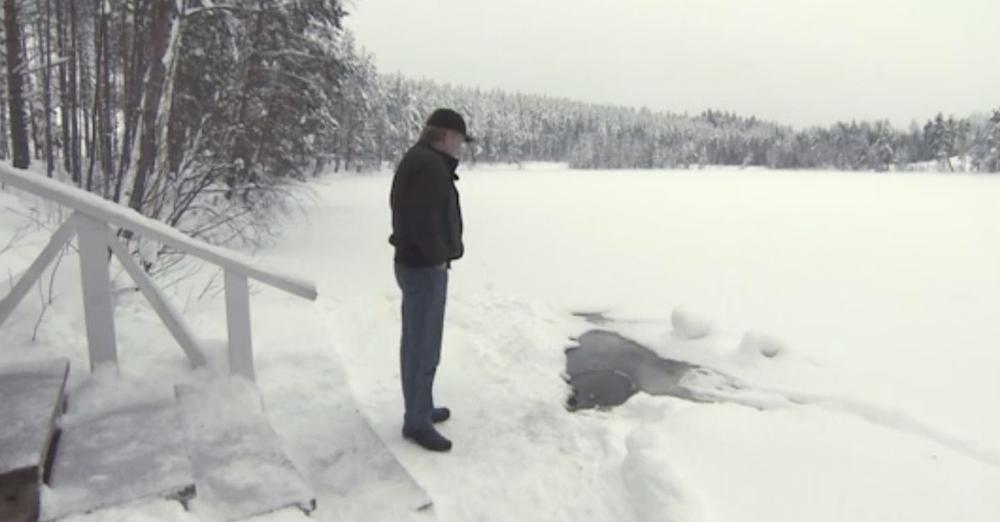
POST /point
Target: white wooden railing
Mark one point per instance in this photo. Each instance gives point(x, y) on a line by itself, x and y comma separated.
point(91, 223)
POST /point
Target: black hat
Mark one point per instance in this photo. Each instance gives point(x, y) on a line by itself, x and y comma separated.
point(451, 120)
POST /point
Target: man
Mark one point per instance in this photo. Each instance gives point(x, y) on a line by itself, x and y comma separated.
point(427, 234)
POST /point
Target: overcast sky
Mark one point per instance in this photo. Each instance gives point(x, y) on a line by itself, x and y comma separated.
point(800, 62)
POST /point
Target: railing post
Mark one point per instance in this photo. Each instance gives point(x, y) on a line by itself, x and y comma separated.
point(96, 278)
point(238, 323)
point(168, 314)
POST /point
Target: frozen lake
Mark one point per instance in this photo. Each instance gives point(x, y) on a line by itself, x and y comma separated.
point(879, 289)
point(893, 280)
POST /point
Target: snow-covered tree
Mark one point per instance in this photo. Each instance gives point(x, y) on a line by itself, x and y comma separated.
point(986, 147)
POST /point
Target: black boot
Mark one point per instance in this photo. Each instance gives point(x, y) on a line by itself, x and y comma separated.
point(428, 438)
point(440, 415)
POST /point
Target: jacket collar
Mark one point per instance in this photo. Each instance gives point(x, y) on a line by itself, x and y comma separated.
point(448, 160)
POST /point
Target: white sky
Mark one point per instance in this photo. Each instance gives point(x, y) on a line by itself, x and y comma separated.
point(800, 62)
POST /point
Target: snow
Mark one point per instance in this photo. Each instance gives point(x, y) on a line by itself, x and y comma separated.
point(155, 511)
point(832, 468)
point(760, 343)
point(690, 325)
point(657, 492)
point(877, 290)
point(128, 454)
point(239, 465)
point(104, 392)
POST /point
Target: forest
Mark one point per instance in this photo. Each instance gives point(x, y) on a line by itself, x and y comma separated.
point(205, 114)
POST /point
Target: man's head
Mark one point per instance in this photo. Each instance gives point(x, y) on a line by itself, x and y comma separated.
point(445, 130)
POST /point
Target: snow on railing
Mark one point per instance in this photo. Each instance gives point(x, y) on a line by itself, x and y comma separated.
point(90, 223)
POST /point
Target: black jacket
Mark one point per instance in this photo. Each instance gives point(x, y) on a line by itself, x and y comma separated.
point(426, 214)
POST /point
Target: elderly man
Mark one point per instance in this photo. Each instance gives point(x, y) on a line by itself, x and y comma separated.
point(427, 234)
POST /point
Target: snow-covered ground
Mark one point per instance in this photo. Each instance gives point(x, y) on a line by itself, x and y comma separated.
point(879, 289)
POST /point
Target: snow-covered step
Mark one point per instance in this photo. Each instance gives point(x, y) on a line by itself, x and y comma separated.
point(240, 467)
point(363, 475)
point(131, 453)
point(31, 397)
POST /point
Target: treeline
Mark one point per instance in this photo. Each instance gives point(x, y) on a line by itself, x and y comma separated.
point(195, 112)
point(518, 127)
point(718, 138)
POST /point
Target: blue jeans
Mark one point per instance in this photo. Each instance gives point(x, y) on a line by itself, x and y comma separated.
point(424, 293)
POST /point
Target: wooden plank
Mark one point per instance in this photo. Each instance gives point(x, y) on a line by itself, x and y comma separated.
point(168, 314)
point(32, 395)
point(59, 238)
point(96, 279)
point(240, 467)
point(125, 455)
point(19, 495)
point(124, 217)
point(238, 324)
point(32, 399)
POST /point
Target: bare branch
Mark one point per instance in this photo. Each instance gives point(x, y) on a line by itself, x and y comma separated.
point(41, 315)
point(19, 234)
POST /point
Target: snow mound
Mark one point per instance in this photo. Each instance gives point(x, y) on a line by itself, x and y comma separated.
point(757, 343)
point(689, 324)
point(657, 493)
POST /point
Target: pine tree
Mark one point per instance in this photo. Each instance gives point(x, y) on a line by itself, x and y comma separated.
point(986, 148)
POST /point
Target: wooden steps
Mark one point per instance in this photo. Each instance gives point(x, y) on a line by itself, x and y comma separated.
point(32, 398)
point(212, 448)
point(128, 454)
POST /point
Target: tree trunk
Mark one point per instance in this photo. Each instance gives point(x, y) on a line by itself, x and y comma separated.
point(93, 132)
point(126, 89)
point(134, 70)
point(29, 87)
point(86, 87)
point(63, 88)
point(164, 14)
point(165, 113)
point(47, 85)
point(74, 95)
point(4, 150)
point(15, 86)
point(102, 93)
point(107, 130)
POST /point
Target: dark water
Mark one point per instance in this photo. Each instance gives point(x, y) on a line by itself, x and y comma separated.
point(605, 369)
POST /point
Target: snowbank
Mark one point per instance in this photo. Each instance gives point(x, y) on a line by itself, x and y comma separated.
point(756, 344)
point(689, 324)
point(658, 494)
